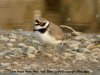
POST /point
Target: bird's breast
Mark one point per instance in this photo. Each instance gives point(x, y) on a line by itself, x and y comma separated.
point(46, 38)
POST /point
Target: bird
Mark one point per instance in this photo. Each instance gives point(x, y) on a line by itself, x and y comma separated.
point(47, 32)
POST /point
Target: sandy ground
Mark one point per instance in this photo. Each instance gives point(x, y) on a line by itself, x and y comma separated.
point(19, 51)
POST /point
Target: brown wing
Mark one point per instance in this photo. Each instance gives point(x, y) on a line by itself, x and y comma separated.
point(56, 31)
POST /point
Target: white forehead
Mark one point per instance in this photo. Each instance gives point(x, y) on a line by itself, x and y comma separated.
point(35, 23)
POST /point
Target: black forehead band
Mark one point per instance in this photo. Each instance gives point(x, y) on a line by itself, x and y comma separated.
point(37, 21)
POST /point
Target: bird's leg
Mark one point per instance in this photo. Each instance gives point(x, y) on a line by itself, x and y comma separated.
point(54, 51)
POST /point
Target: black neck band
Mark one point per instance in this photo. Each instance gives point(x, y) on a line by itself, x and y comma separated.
point(43, 30)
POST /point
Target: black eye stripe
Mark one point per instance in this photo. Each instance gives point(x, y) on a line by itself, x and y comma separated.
point(43, 24)
point(38, 23)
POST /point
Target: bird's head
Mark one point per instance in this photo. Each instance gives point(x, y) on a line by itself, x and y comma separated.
point(40, 24)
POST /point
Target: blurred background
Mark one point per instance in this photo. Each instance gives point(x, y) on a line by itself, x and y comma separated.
point(82, 15)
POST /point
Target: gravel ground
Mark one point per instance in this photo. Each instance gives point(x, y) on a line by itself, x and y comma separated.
point(20, 51)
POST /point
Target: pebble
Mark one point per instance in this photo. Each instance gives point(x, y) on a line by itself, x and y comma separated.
point(22, 45)
point(15, 63)
point(55, 58)
point(18, 50)
point(74, 46)
point(31, 49)
point(8, 68)
point(80, 56)
point(87, 42)
point(13, 36)
point(7, 57)
point(3, 38)
point(92, 39)
point(34, 65)
point(96, 49)
point(10, 44)
point(20, 38)
point(2, 71)
point(83, 50)
point(93, 60)
point(30, 55)
point(66, 55)
point(48, 55)
point(12, 40)
point(98, 36)
point(27, 67)
point(90, 46)
point(4, 64)
point(9, 53)
point(53, 70)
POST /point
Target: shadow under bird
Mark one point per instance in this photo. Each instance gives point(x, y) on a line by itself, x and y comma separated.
point(47, 32)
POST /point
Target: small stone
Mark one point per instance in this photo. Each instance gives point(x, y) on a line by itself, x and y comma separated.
point(31, 49)
point(90, 71)
point(2, 38)
point(87, 42)
point(9, 53)
point(4, 52)
point(31, 56)
point(12, 40)
point(90, 46)
point(27, 67)
point(13, 36)
point(80, 56)
point(74, 46)
point(92, 40)
point(10, 44)
point(34, 65)
point(94, 60)
point(66, 55)
point(22, 45)
point(20, 38)
point(18, 50)
point(8, 68)
point(48, 54)
point(4, 64)
point(55, 58)
point(15, 63)
point(83, 50)
point(2, 71)
point(96, 49)
point(7, 57)
point(53, 70)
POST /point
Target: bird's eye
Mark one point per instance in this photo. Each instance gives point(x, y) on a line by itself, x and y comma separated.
point(42, 23)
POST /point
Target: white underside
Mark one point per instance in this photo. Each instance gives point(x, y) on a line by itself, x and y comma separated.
point(46, 38)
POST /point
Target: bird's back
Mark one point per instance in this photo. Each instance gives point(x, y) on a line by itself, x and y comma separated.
point(56, 31)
